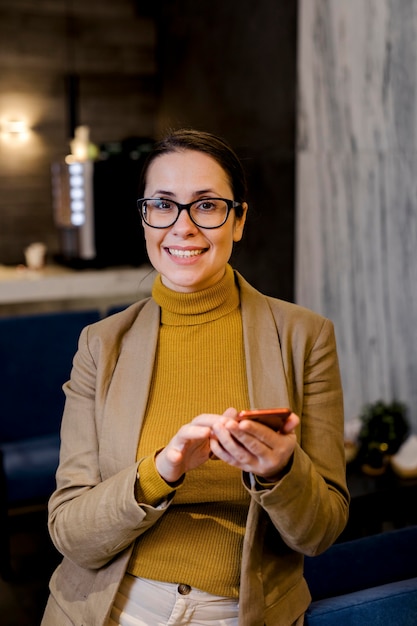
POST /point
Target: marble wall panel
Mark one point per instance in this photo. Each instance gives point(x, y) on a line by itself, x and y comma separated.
point(356, 259)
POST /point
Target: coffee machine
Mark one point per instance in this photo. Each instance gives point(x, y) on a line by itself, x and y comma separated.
point(94, 207)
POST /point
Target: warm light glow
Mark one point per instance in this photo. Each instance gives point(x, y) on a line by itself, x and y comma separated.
point(16, 127)
point(15, 130)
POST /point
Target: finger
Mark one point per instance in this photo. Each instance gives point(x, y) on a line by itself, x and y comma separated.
point(235, 456)
point(191, 432)
point(215, 450)
point(234, 447)
point(208, 419)
point(249, 433)
point(291, 423)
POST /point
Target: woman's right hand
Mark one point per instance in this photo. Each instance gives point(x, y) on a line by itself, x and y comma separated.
point(188, 449)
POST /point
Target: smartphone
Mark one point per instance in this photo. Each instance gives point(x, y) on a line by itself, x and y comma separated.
point(274, 418)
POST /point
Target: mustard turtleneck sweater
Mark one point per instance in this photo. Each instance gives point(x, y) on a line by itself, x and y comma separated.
point(199, 368)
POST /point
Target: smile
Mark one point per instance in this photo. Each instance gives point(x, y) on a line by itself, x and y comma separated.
point(184, 253)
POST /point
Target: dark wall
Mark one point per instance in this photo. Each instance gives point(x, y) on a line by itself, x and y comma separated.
point(110, 49)
point(230, 68)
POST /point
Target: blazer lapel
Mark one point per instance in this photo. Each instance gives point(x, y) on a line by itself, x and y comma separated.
point(128, 391)
point(264, 364)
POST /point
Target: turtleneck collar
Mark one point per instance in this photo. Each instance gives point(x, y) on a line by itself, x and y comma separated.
point(198, 307)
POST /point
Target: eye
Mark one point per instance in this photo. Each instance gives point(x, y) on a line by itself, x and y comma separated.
point(207, 205)
point(161, 204)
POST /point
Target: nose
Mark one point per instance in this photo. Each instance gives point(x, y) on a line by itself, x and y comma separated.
point(184, 225)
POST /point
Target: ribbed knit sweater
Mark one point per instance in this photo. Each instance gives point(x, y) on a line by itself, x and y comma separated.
point(199, 368)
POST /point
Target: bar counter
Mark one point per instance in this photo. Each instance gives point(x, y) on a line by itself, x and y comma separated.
point(57, 287)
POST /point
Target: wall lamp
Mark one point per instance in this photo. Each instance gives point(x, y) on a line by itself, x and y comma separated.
point(15, 129)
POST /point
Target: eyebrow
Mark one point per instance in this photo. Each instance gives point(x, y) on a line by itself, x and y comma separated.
point(200, 192)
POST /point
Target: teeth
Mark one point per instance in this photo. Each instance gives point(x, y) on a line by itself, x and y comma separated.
point(184, 253)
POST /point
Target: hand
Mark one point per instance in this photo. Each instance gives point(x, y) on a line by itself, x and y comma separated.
point(252, 446)
point(188, 449)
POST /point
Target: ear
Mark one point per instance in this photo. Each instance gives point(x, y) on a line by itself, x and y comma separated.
point(239, 224)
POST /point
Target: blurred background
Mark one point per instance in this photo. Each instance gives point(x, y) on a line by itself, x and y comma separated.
point(319, 99)
point(129, 70)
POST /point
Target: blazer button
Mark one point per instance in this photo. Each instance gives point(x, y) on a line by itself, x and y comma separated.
point(183, 589)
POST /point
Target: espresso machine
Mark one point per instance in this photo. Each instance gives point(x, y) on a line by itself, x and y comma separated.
point(94, 207)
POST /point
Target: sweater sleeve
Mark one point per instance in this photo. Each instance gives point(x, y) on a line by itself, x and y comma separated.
point(150, 488)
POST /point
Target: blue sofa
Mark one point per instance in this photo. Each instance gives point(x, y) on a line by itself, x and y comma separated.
point(36, 353)
point(371, 581)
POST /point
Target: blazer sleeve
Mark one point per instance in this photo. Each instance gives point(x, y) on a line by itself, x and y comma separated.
point(92, 519)
point(309, 505)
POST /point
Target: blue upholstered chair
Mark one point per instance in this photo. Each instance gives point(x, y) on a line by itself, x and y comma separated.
point(371, 581)
point(117, 308)
point(36, 354)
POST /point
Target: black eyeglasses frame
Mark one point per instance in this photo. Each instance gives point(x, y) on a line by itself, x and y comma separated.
point(231, 204)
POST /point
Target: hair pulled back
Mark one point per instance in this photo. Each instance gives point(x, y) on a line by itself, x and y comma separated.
point(200, 141)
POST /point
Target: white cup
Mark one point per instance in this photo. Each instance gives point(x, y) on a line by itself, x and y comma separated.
point(35, 255)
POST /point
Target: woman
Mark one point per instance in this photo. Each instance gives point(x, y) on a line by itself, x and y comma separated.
point(168, 510)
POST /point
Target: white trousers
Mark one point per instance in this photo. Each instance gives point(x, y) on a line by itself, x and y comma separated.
point(143, 602)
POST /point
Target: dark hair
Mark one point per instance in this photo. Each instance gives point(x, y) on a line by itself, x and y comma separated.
point(213, 146)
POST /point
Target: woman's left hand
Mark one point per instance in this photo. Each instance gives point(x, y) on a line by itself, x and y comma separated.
point(252, 446)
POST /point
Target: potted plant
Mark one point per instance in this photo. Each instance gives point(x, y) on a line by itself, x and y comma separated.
point(384, 428)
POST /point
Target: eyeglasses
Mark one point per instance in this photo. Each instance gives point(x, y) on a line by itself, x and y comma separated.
point(205, 213)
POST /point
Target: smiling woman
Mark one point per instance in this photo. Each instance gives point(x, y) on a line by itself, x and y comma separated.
point(170, 508)
point(190, 257)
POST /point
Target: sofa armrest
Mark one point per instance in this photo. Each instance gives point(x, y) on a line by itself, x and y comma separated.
point(385, 605)
point(28, 467)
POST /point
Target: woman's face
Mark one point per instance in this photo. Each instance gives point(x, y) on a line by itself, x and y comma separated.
point(190, 258)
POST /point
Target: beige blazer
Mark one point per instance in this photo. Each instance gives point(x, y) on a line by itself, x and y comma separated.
point(93, 515)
